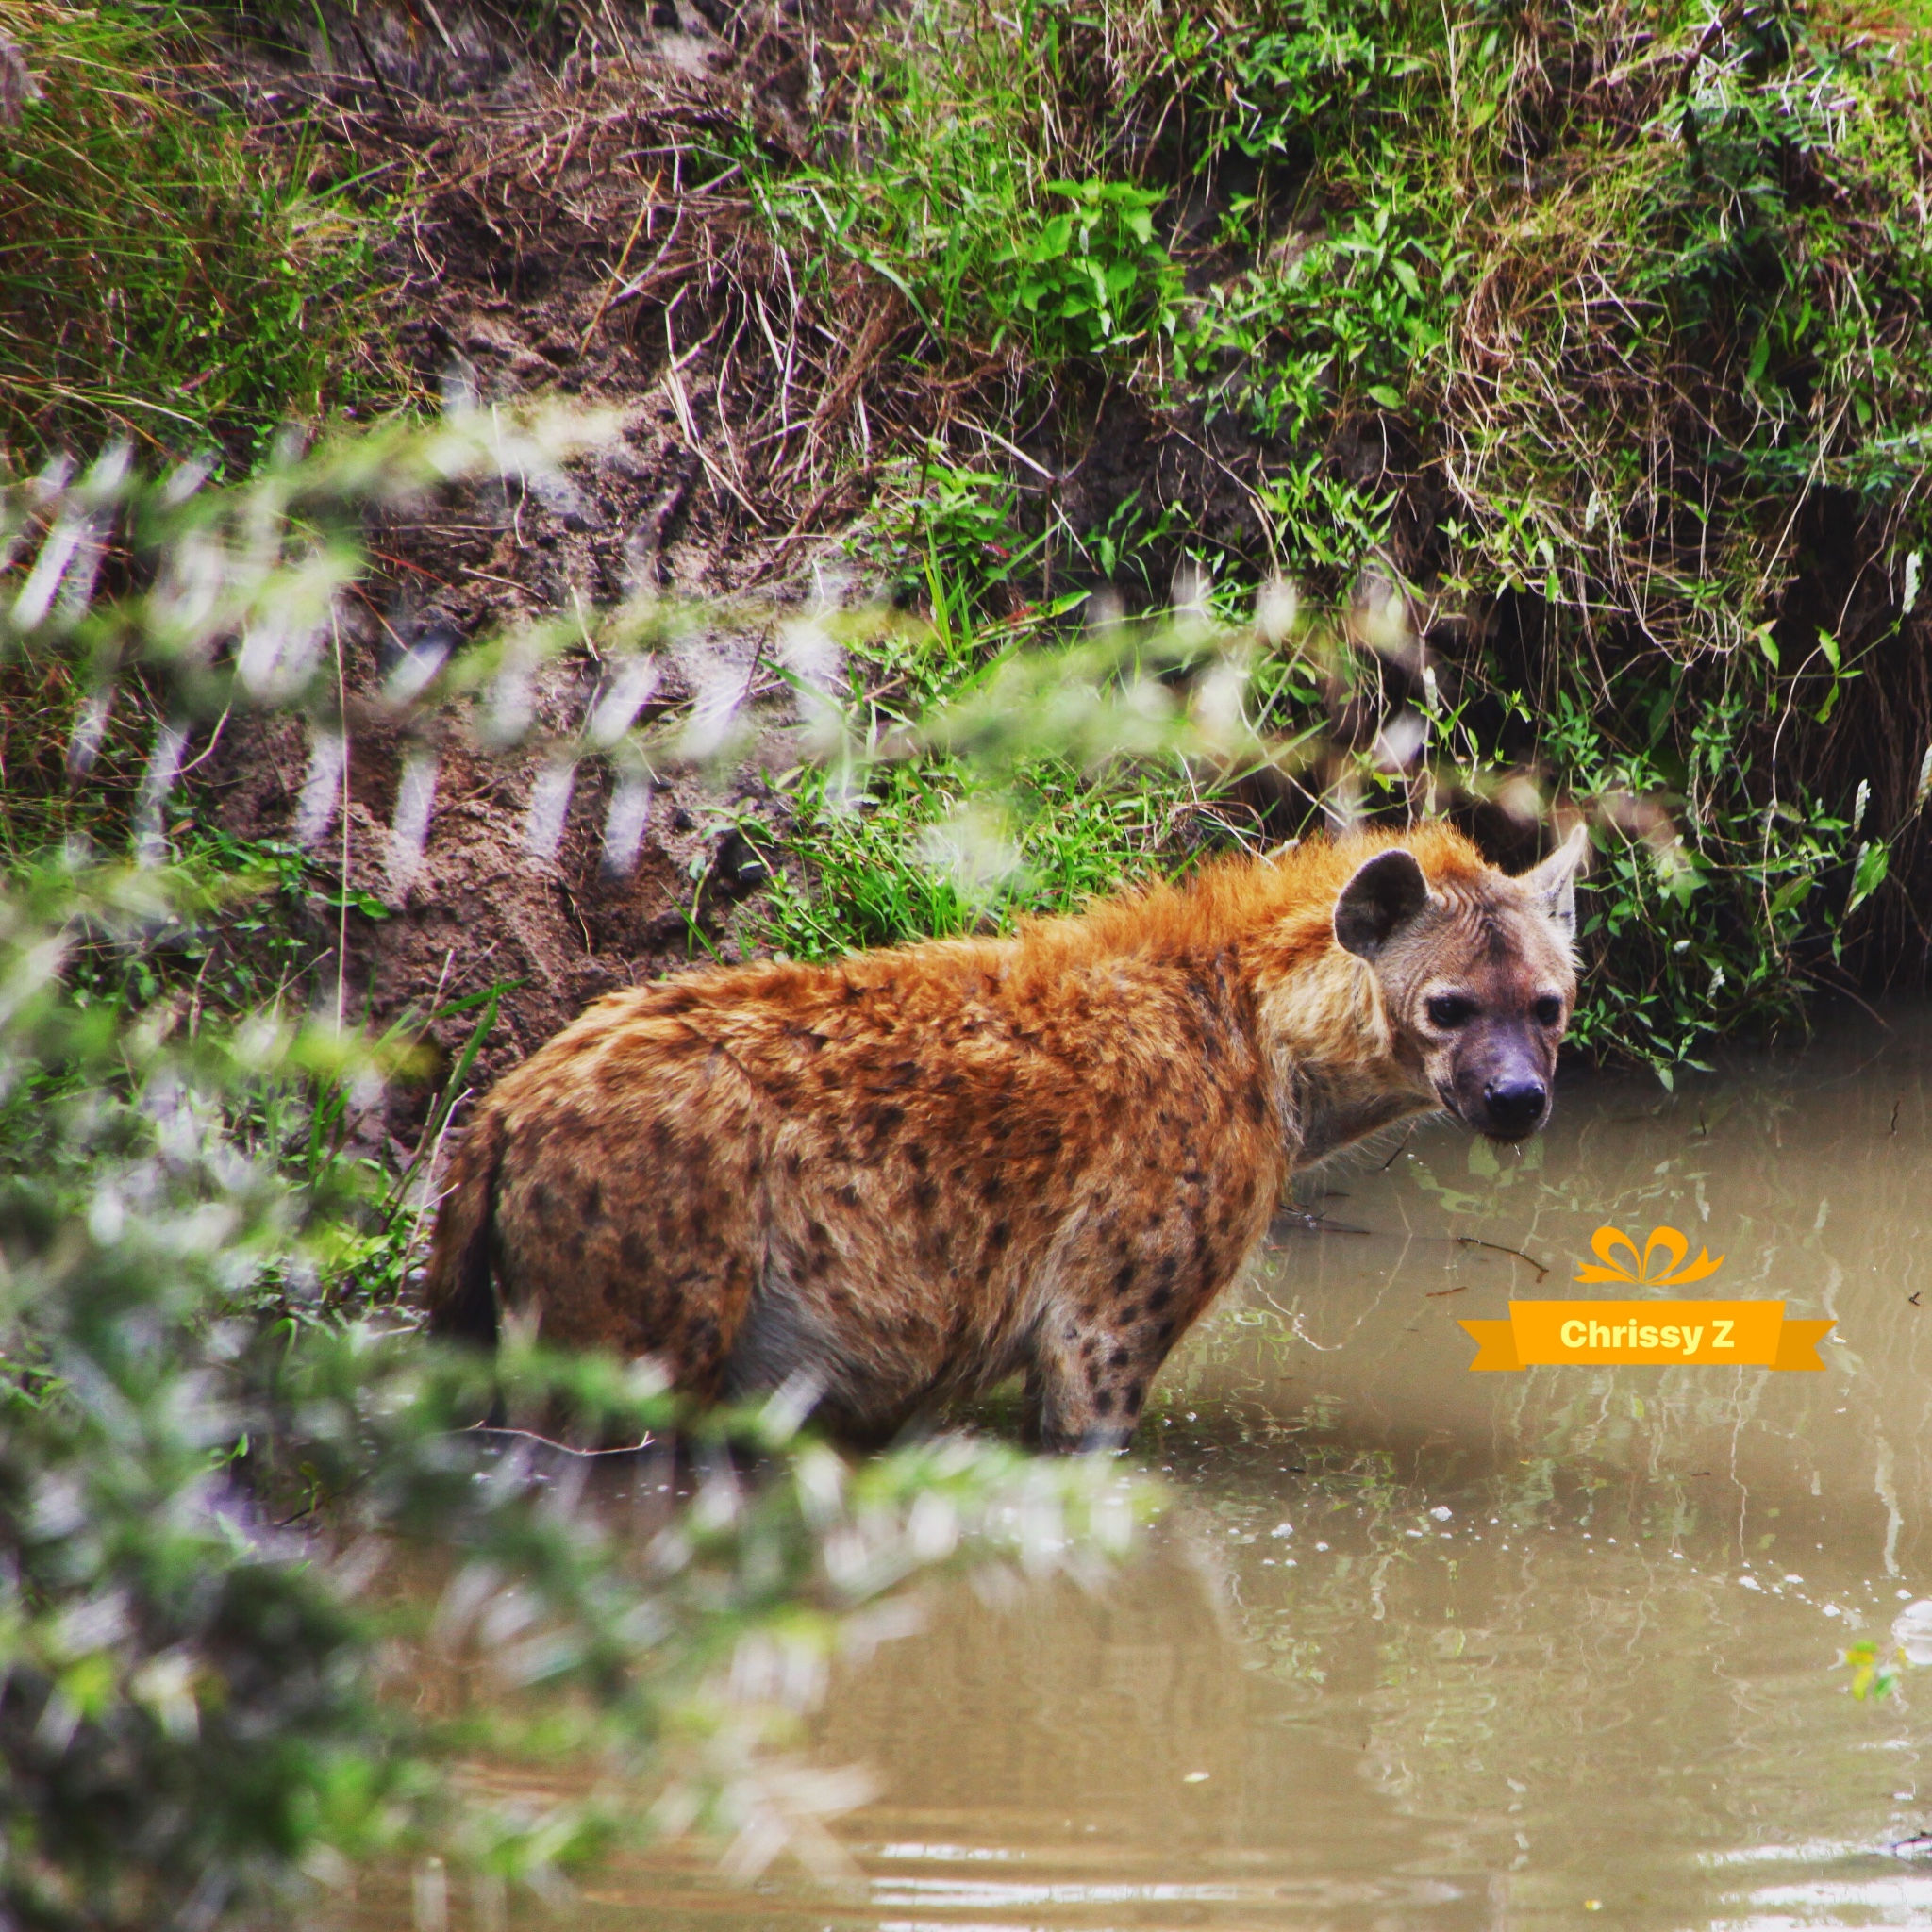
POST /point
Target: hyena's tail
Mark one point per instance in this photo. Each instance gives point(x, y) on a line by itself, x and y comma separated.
point(460, 1294)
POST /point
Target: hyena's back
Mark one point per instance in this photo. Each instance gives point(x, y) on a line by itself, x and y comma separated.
point(907, 1175)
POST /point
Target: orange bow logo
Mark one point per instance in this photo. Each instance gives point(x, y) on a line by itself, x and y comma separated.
point(1666, 1248)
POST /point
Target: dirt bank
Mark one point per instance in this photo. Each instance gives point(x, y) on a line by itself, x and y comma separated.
point(567, 223)
point(1615, 360)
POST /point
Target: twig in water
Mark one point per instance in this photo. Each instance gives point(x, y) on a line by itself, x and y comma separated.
point(1317, 1224)
point(1437, 1294)
point(1469, 1240)
point(643, 1442)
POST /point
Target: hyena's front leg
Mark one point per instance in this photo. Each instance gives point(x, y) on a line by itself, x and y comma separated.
point(1088, 1381)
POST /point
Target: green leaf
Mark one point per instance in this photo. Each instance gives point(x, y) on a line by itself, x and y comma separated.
point(1381, 393)
point(1874, 867)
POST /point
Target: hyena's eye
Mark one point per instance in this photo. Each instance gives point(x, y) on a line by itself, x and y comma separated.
point(1547, 1011)
point(1451, 1010)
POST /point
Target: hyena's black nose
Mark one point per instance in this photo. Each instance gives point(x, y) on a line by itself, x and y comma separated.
point(1515, 1106)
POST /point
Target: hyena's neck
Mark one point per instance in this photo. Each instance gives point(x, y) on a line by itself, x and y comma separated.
point(1336, 1075)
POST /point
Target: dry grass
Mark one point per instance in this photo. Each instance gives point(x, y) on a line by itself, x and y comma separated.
point(616, 215)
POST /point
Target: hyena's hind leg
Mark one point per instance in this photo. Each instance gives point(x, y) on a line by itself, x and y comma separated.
point(1089, 1379)
point(646, 1250)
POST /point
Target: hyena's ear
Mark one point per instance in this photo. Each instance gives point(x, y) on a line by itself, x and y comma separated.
point(1382, 898)
point(1551, 886)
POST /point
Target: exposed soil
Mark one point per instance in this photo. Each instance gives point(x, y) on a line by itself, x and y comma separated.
point(567, 224)
point(549, 212)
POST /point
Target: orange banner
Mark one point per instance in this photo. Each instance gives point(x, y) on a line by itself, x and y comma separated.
point(1657, 1334)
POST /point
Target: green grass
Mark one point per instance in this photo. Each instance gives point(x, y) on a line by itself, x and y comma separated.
point(956, 176)
point(1038, 807)
point(1603, 328)
point(165, 274)
point(932, 849)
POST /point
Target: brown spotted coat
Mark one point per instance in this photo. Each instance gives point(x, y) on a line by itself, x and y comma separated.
point(913, 1172)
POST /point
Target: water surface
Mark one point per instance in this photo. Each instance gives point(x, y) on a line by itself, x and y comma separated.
point(1421, 1648)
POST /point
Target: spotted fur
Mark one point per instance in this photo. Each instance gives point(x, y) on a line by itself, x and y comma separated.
point(914, 1173)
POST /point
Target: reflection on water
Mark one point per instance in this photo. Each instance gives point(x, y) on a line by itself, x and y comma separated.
point(1421, 1648)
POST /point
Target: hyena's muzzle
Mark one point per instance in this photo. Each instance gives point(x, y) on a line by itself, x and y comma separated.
point(1502, 1080)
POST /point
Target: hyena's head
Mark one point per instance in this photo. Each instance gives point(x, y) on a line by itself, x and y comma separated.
point(1477, 976)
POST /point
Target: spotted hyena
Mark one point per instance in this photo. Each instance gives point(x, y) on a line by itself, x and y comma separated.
point(911, 1174)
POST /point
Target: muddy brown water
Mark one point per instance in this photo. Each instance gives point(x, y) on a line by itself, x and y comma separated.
point(1417, 1647)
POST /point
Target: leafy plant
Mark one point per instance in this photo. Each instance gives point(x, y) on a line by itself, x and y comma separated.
point(195, 1711)
point(1092, 278)
point(946, 196)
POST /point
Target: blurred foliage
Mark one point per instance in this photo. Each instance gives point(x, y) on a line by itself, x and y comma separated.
point(241, 1526)
point(1874, 1672)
